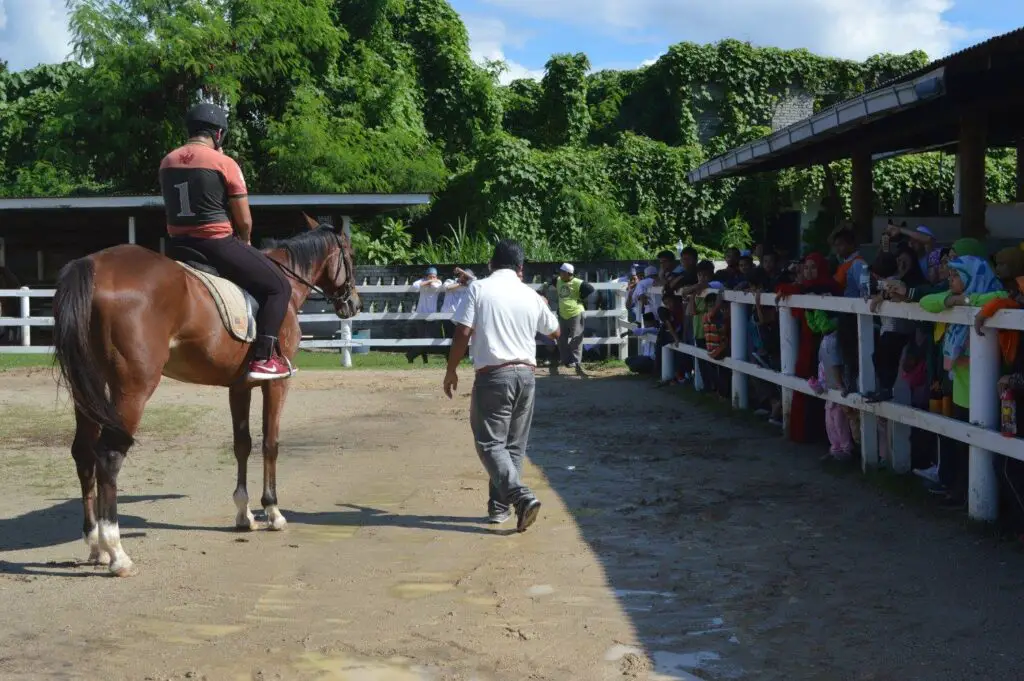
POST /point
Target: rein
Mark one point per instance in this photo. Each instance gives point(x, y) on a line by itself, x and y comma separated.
point(343, 297)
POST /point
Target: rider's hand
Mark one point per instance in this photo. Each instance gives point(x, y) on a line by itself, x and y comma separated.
point(451, 383)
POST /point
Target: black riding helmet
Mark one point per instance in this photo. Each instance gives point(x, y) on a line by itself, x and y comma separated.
point(208, 119)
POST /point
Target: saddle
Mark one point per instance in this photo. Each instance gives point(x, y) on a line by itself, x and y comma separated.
point(236, 306)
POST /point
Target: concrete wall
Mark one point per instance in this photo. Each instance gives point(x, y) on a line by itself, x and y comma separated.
point(1005, 223)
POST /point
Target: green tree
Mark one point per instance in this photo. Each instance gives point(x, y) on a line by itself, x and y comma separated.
point(563, 105)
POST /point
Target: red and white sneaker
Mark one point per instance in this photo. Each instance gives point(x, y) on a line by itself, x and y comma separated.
point(269, 369)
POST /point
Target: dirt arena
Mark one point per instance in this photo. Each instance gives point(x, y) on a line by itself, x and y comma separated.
point(675, 542)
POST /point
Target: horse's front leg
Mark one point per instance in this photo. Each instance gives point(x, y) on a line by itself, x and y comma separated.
point(274, 393)
point(241, 400)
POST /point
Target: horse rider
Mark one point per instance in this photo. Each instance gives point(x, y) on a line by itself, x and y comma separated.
point(207, 208)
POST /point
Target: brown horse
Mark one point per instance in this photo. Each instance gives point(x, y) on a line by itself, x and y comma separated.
point(125, 316)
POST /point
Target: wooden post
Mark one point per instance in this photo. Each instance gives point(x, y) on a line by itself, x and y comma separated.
point(789, 341)
point(868, 422)
point(983, 490)
point(971, 149)
point(862, 196)
point(739, 314)
point(131, 229)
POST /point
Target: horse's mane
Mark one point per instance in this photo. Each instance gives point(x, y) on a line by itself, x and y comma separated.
point(307, 248)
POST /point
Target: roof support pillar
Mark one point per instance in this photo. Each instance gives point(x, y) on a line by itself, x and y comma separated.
point(862, 198)
point(971, 150)
point(1020, 171)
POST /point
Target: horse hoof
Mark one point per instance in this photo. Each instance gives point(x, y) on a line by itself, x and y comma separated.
point(277, 523)
point(99, 558)
point(123, 570)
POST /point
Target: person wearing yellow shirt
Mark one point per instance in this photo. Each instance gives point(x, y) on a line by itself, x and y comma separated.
point(571, 292)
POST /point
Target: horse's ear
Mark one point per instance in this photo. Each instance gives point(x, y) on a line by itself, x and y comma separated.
point(310, 222)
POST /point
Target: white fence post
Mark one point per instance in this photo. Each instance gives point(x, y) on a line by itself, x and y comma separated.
point(26, 331)
point(622, 324)
point(346, 350)
point(983, 490)
point(789, 344)
point(868, 421)
point(668, 367)
point(738, 321)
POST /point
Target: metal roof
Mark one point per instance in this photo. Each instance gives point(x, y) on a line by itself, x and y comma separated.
point(828, 123)
point(350, 201)
point(926, 85)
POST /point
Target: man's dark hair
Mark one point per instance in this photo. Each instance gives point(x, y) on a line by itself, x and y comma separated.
point(667, 255)
point(758, 278)
point(747, 257)
point(706, 266)
point(732, 249)
point(690, 250)
point(885, 265)
point(508, 255)
point(846, 236)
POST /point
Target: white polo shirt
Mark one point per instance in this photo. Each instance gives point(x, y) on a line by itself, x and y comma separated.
point(430, 291)
point(506, 315)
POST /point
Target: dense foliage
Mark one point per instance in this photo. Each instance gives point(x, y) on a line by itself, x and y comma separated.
point(382, 96)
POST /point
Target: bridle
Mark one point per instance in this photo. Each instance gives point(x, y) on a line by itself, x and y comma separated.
point(344, 295)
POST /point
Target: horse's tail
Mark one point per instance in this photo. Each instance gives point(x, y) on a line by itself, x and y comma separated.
point(79, 370)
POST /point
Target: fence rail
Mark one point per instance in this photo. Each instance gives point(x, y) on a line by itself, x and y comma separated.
point(615, 320)
point(979, 433)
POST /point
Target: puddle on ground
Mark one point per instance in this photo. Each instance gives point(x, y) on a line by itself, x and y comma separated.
point(413, 590)
point(324, 534)
point(347, 668)
point(541, 590)
point(180, 632)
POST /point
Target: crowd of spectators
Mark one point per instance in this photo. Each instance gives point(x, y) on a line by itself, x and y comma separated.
point(920, 364)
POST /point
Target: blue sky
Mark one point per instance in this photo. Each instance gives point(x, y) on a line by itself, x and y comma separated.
point(627, 33)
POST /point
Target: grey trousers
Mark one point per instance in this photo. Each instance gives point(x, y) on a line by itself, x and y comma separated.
point(500, 414)
point(570, 340)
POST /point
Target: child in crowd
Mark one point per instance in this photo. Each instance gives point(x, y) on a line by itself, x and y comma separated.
point(716, 339)
point(895, 333)
point(830, 377)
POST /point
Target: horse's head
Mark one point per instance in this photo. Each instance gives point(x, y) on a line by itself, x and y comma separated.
point(337, 274)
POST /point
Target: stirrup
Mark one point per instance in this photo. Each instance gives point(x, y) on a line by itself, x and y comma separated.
point(291, 368)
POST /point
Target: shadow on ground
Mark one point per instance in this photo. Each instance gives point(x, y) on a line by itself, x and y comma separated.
point(737, 555)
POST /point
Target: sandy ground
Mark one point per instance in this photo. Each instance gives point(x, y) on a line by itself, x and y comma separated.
point(675, 542)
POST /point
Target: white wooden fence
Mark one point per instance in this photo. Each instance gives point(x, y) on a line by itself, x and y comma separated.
point(981, 434)
point(615, 323)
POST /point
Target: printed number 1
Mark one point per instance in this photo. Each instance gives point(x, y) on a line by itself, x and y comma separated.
point(186, 209)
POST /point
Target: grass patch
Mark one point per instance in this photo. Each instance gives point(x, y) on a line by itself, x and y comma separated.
point(308, 360)
point(24, 426)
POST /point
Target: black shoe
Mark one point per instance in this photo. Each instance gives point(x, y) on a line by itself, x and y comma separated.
point(526, 513)
point(878, 396)
point(580, 372)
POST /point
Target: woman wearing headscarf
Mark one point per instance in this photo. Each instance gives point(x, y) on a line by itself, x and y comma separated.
point(971, 282)
point(807, 414)
point(1009, 266)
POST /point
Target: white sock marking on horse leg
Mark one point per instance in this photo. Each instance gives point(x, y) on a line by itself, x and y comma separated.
point(96, 555)
point(274, 517)
point(110, 541)
point(245, 520)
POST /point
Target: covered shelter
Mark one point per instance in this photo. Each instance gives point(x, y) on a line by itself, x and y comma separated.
point(39, 235)
point(963, 103)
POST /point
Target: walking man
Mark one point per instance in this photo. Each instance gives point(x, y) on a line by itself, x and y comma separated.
point(504, 316)
point(571, 292)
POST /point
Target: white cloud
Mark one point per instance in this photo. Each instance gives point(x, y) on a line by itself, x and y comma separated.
point(33, 32)
point(839, 28)
point(487, 40)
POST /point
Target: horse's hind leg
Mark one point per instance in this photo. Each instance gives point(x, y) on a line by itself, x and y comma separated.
point(241, 400)
point(274, 393)
point(111, 451)
point(83, 449)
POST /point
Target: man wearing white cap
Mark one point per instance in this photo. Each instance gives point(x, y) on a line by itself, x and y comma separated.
point(571, 291)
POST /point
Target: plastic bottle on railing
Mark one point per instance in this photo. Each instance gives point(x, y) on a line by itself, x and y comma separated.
point(865, 282)
point(1008, 413)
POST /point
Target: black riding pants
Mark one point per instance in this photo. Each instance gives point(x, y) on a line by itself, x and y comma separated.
point(253, 271)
